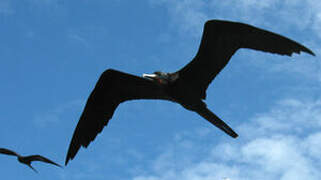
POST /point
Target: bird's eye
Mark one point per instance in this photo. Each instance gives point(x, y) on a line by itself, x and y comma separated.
point(162, 81)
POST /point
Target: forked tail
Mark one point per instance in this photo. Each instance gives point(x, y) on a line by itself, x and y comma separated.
point(216, 121)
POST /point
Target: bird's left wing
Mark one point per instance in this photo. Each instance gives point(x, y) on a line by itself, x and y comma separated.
point(112, 88)
point(40, 158)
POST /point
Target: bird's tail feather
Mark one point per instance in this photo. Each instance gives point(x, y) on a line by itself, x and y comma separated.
point(216, 121)
point(32, 168)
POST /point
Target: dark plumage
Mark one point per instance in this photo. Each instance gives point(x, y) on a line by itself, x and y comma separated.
point(27, 159)
point(220, 40)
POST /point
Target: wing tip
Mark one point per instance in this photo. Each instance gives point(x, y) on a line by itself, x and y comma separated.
point(302, 48)
point(72, 151)
point(309, 52)
point(305, 50)
point(67, 160)
point(71, 154)
point(58, 165)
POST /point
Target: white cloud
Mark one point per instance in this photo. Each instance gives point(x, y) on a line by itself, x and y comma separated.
point(290, 18)
point(288, 151)
point(290, 116)
point(302, 66)
point(281, 14)
point(79, 39)
point(187, 15)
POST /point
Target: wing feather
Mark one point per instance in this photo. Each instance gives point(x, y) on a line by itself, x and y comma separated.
point(8, 152)
point(220, 40)
point(112, 88)
point(40, 158)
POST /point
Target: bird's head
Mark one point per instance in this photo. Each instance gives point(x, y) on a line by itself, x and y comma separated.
point(161, 77)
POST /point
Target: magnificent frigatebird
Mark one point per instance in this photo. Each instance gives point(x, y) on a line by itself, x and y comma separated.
point(220, 40)
point(27, 159)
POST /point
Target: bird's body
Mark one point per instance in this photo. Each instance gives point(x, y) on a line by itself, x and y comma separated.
point(27, 160)
point(187, 86)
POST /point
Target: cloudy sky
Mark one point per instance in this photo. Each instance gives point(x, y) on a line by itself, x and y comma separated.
point(53, 51)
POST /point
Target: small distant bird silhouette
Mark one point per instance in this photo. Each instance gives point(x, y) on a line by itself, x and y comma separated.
point(27, 159)
point(187, 86)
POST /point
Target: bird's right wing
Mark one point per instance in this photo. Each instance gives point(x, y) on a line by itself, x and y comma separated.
point(220, 40)
point(40, 158)
point(8, 152)
point(112, 88)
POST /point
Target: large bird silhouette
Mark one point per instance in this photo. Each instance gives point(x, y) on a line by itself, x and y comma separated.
point(220, 40)
point(27, 160)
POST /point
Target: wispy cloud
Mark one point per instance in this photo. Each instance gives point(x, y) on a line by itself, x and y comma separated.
point(79, 39)
point(283, 143)
point(290, 116)
point(189, 13)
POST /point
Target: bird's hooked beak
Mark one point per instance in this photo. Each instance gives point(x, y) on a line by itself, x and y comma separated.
point(157, 77)
point(150, 76)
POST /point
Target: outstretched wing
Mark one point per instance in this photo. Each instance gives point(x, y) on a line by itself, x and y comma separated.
point(8, 152)
point(112, 88)
point(40, 158)
point(220, 40)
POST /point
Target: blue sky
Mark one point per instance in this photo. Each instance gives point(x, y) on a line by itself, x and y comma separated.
point(53, 51)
